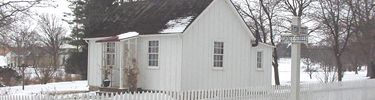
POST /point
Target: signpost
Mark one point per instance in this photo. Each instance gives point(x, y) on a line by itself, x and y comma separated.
point(298, 36)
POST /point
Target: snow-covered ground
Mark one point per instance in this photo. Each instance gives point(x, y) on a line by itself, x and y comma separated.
point(82, 86)
point(60, 87)
point(285, 73)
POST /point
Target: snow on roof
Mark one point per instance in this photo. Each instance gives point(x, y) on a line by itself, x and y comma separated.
point(177, 25)
point(127, 35)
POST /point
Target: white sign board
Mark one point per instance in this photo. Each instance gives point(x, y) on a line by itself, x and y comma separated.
point(295, 29)
point(303, 38)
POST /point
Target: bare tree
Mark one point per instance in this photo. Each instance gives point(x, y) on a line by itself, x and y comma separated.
point(324, 58)
point(354, 58)
point(363, 10)
point(53, 34)
point(9, 9)
point(328, 75)
point(20, 40)
point(308, 61)
point(337, 20)
point(262, 16)
point(297, 7)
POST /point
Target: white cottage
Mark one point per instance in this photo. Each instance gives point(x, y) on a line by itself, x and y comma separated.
point(204, 44)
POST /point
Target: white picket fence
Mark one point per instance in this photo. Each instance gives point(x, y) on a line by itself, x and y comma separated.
point(356, 90)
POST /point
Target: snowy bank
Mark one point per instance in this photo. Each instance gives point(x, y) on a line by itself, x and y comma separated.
point(60, 87)
point(285, 73)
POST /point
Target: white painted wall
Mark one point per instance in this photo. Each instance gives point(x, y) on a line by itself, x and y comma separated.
point(220, 22)
point(94, 76)
point(262, 76)
point(168, 75)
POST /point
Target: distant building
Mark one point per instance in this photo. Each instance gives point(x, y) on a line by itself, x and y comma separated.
point(29, 56)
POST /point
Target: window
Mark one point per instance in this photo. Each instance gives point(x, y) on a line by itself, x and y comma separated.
point(153, 53)
point(109, 53)
point(218, 54)
point(259, 59)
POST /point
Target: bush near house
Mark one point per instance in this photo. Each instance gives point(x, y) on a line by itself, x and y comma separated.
point(8, 76)
point(77, 64)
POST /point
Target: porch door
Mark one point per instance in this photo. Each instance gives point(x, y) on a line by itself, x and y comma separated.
point(116, 69)
point(110, 68)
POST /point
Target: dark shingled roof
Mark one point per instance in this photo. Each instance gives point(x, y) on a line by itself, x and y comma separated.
point(148, 16)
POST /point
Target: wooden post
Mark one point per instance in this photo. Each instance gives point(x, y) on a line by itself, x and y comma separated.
point(121, 57)
point(296, 51)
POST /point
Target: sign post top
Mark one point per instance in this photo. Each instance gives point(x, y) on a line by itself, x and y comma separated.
point(296, 20)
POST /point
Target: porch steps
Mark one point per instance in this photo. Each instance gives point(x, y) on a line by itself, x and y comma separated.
point(106, 89)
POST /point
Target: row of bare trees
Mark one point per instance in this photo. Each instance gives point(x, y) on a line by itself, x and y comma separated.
point(267, 20)
point(342, 25)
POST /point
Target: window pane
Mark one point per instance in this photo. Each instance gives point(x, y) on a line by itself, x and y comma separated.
point(153, 50)
point(259, 59)
point(156, 63)
point(219, 44)
point(153, 56)
point(218, 57)
point(149, 63)
point(153, 43)
point(218, 63)
point(153, 63)
point(221, 51)
point(218, 54)
point(218, 48)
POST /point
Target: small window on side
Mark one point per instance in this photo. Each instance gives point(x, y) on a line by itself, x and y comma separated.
point(153, 53)
point(218, 54)
point(259, 60)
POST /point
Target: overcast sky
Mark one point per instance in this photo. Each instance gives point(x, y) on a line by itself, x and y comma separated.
point(58, 8)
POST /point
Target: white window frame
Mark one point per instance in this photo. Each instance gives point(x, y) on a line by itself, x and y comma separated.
point(107, 52)
point(259, 59)
point(150, 48)
point(218, 51)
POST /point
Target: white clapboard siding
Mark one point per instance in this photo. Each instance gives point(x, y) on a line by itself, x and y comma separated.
point(167, 76)
point(356, 90)
point(220, 22)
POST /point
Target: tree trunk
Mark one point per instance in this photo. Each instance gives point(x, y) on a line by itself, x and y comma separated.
point(371, 69)
point(368, 70)
point(276, 67)
point(339, 68)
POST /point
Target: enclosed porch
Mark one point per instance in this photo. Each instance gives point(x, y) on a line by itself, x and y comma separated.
point(119, 62)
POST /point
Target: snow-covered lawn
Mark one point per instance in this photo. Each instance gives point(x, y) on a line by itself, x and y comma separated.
point(285, 73)
point(82, 86)
point(60, 87)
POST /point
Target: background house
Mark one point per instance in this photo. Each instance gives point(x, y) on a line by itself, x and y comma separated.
point(3, 60)
point(206, 46)
point(28, 57)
